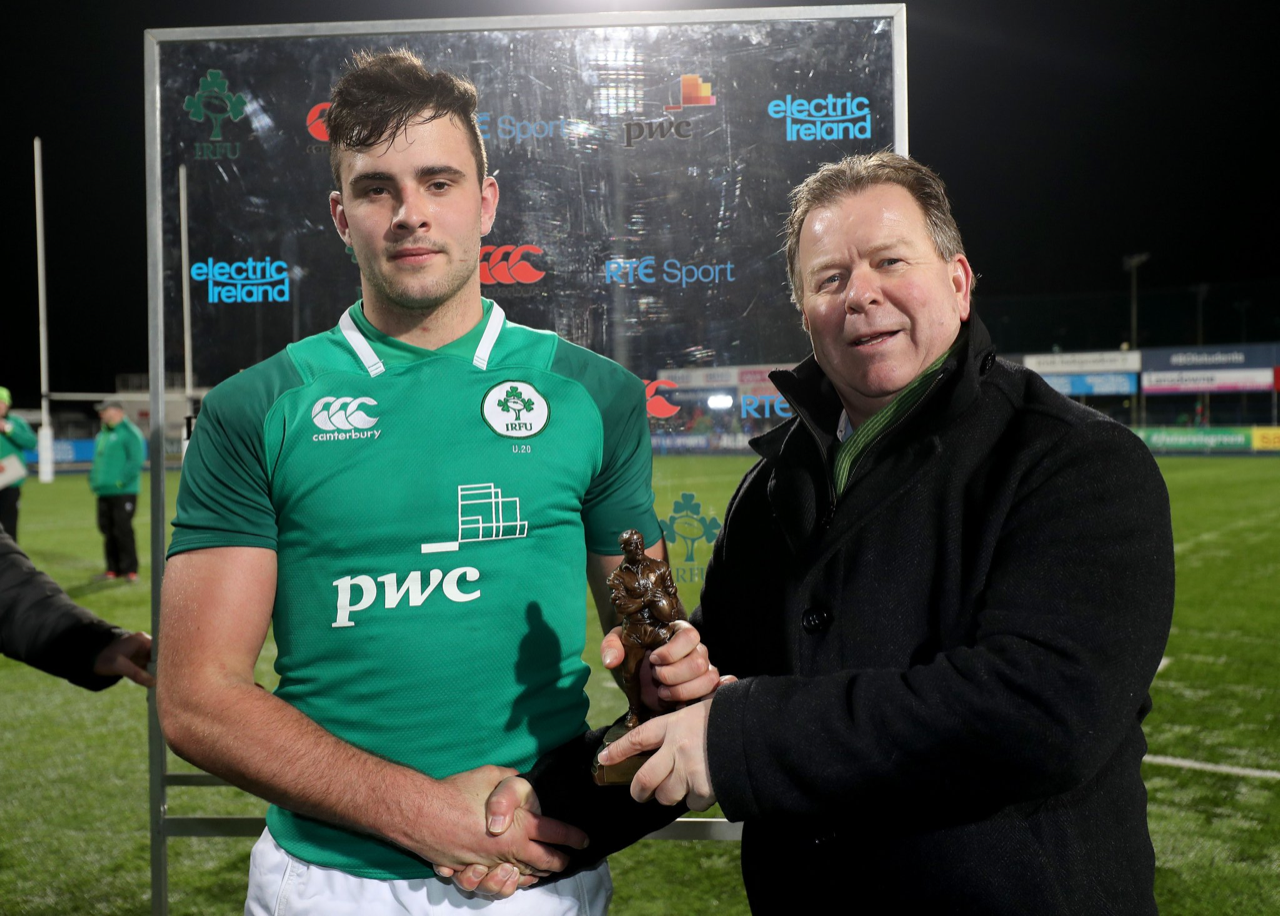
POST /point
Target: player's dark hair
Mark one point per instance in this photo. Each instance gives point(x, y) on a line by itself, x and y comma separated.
point(382, 94)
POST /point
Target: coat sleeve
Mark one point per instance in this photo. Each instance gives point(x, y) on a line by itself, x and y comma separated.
point(41, 626)
point(608, 815)
point(1067, 633)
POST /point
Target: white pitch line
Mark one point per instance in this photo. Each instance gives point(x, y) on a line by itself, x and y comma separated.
point(1160, 760)
point(1210, 536)
point(1164, 662)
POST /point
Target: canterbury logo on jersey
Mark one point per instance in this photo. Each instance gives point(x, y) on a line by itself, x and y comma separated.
point(505, 265)
point(343, 419)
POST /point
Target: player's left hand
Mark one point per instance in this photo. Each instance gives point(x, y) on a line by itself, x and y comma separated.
point(678, 769)
point(679, 672)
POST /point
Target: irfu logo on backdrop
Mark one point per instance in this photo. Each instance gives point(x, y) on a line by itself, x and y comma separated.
point(214, 102)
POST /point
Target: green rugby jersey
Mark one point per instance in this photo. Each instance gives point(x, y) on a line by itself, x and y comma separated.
point(431, 512)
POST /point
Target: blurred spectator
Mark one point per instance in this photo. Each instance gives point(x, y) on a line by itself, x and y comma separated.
point(15, 435)
point(114, 478)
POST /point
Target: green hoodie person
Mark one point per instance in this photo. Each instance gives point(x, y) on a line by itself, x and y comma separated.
point(15, 433)
point(15, 436)
point(117, 455)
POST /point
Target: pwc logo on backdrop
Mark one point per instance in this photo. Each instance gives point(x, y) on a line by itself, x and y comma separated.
point(694, 92)
point(506, 264)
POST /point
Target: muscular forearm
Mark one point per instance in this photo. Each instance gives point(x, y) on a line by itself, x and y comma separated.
point(252, 739)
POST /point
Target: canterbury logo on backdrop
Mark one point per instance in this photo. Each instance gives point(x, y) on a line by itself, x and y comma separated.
point(505, 264)
point(342, 413)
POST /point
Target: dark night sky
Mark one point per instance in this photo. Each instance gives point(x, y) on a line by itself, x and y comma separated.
point(1069, 134)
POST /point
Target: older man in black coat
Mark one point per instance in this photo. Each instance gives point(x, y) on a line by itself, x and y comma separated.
point(944, 589)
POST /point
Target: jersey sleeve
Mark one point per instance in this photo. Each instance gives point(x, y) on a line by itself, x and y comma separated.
point(224, 499)
point(620, 496)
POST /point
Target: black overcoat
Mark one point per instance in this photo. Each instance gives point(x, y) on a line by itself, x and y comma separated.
point(944, 670)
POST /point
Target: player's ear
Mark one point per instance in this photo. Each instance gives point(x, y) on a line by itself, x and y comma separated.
point(339, 215)
point(488, 204)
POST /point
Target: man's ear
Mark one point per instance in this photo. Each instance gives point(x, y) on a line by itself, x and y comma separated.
point(961, 284)
point(488, 204)
point(339, 215)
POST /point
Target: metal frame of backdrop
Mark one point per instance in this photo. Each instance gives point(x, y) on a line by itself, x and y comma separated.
point(596, 222)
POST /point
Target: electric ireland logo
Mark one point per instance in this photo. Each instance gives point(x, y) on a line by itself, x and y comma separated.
point(515, 409)
point(843, 117)
point(250, 280)
point(214, 102)
point(342, 419)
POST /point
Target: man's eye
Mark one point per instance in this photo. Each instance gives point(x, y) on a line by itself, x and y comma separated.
point(890, 262)
point(439, 185)
point(829, 281)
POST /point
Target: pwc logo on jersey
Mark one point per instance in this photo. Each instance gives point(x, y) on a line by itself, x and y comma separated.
point(343, 419)
point(515, 409)
point(484, 515)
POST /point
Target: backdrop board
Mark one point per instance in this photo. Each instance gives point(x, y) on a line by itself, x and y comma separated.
point(644, 162)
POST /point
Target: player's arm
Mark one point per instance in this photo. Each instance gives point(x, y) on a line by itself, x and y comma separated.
point(215, 609)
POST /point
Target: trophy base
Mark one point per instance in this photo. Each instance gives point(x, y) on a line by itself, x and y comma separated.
point(617, 774)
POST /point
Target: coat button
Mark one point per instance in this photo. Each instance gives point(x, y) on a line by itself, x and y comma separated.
point(815, 620)
point(988, 361)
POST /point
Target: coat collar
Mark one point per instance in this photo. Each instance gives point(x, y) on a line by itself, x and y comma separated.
point(817, 406)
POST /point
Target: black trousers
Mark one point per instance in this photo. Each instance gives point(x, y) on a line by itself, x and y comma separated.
point(9, 510)
point(115, 521)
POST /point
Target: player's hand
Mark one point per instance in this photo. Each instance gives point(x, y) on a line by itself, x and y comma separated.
point(679, 672)
point(678, 769)
point(509, 796)
point(476, 858)
point(127, 656)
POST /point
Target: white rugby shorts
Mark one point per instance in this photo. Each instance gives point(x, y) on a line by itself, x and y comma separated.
point(281, 885)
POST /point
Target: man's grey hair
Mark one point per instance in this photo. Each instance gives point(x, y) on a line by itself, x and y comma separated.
point(855, 174)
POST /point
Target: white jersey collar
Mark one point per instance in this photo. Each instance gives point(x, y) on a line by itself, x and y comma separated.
point(364, 352)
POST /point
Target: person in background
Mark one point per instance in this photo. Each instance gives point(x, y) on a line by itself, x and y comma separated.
point(15, 435)
point(40, 626)
point(114, 479)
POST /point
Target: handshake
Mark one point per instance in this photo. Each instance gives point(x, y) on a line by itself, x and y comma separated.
point(523, 843)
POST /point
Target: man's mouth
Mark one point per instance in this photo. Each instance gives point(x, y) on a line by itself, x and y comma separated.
point(409, 254)
point(872, 339)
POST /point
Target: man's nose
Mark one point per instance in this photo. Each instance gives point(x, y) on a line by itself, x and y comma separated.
point(863, 290)
point(414, 213)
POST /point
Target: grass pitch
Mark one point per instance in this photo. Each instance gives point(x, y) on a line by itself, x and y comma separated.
point(73, 813)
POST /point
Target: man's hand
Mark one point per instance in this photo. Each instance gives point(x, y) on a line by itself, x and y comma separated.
point(678, 769)
point(679, 672)
point(128, 657)
point(511, 800)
